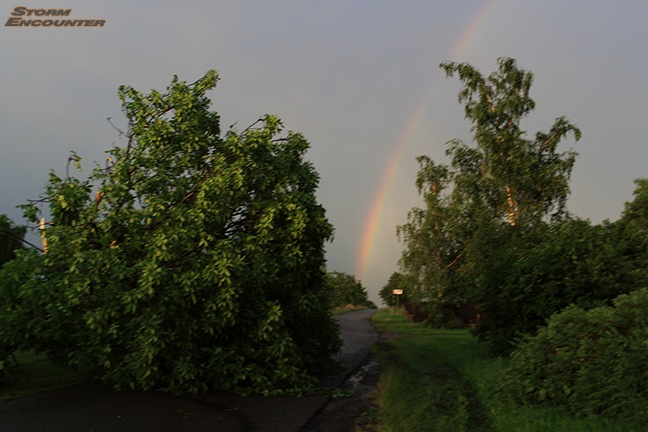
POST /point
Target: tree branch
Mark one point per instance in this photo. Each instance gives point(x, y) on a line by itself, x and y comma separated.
point(454, 261)
point(10, 234)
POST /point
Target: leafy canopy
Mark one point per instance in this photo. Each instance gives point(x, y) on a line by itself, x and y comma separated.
point(387, 295)
point(588, 362)
point(346, 290)
point(507, 174)
point(11, 238)
point(494, 230)
point(489, 203)
point(190, 262)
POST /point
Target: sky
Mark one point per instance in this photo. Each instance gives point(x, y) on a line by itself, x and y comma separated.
point(359, 78)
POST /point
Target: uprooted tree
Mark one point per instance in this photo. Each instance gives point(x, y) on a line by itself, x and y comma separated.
point(190, 262)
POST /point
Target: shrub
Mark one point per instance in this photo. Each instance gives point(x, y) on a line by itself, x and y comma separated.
point(521, 280)
point(591, 362)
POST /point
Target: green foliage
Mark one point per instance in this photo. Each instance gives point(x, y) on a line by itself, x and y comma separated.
point(590, 362)
point(396, 282)
point(430, 247)
point(636, 211)
point(32, 373)
point(494, 230)
point(525, 279)
point(506, 174)
point(429, 261)
point(445, 380)
point(195, 265)
point(345, 290)
point(11, 237)
point(23, 268)
point(6, 362)
point(503, 186)
point(633, 231)
point(506, 187)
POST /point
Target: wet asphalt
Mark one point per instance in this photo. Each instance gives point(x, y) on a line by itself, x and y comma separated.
point(92, 407)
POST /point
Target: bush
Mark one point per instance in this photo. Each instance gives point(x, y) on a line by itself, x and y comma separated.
point(521, 280)
point(589, 362)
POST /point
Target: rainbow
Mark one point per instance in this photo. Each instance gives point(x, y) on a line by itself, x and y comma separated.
point(374, 218)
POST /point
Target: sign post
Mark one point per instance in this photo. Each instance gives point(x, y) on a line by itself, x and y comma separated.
point(397, 293)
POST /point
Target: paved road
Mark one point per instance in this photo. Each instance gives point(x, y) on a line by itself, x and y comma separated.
point(91, 407)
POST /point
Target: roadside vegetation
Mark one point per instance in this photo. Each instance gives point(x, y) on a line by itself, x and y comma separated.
point(32, 373)
point(560, 300)
point(346, 292)
point(445, 380)
point(494, 230)
point(190, 261)
point(194, 261)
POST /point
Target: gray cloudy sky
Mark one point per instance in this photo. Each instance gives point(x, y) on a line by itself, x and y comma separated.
point(359, 78)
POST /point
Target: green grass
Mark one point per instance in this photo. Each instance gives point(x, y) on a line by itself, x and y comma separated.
point(444, 380)
point(35, 373)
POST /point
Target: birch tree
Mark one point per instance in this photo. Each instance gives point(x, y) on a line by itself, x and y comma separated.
point(506, 174)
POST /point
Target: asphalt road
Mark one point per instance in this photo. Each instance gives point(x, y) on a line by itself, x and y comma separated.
point(92, 407)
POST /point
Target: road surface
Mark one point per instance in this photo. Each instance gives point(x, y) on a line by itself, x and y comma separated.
point(93, 407)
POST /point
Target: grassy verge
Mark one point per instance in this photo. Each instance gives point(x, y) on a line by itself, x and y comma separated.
point(443, 380)
point(33, 374)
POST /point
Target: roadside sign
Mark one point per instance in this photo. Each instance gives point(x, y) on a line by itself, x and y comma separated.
point(397, 292)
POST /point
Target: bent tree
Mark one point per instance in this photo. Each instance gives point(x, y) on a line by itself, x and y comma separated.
point(190, 262)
